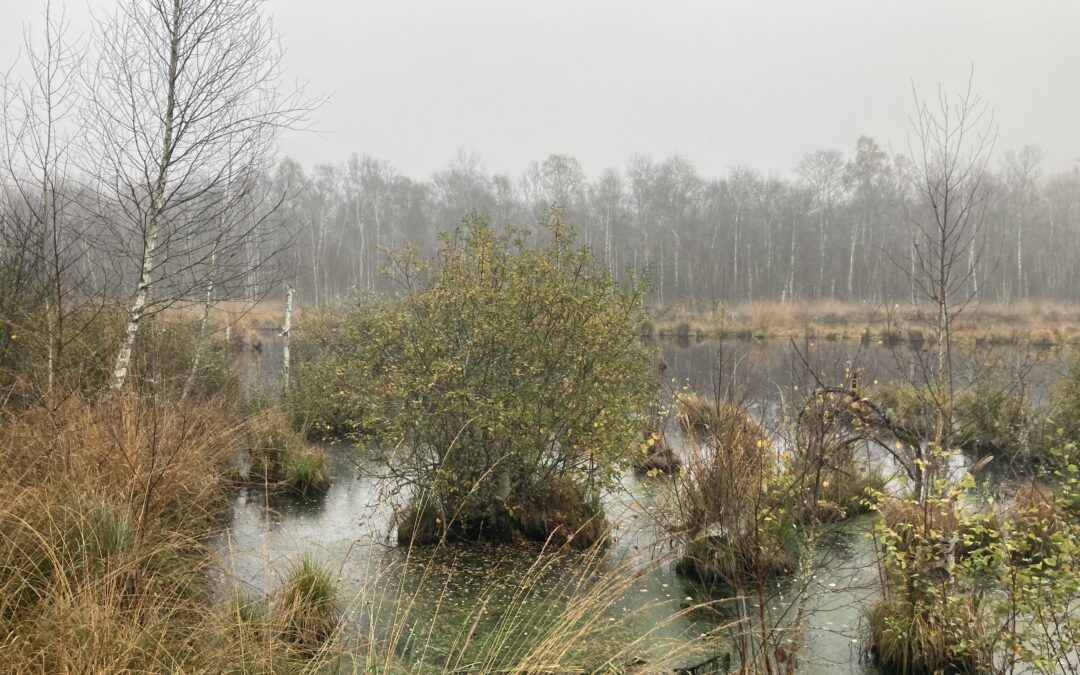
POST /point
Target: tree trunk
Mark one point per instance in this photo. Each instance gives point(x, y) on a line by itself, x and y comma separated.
point(201, 338)
point(285, 330)
point(142, 290)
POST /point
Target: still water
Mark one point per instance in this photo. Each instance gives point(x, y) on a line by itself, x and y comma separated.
point(439, 599)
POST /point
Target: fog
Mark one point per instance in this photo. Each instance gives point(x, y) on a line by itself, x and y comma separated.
point(720, 83)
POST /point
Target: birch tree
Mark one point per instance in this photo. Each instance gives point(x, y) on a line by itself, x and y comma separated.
point(185, 97)
point(952, 142)
point(44, 267)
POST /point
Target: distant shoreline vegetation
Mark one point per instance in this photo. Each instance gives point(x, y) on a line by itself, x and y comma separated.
point(1041, 324)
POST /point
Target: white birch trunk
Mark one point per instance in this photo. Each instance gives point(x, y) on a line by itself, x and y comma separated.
point(201, 338)
point(285, 329)
point(142, 290)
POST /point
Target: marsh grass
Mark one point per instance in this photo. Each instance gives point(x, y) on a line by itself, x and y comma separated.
point(307, 603)
point(280, 459)
point(705, 418)
point(490, 609)
point(103, 560)
point(1041, 324)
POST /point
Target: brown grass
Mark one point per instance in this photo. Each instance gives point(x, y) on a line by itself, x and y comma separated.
point(1041, 323)
point(103, 565)
point(239, 314)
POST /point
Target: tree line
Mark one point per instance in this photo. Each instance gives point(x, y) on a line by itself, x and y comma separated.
point(845, 226)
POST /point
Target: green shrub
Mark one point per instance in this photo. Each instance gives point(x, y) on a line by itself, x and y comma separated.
point(506, 375)
point(657, 457)
point(910, 410)
point(990, 419)
point(1065, 400)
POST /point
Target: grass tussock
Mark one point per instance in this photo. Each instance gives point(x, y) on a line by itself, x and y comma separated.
point(567, 517)
point(308, 605)
point(720, 420)
point(103, 561)
point(280, 458)
point(733, 529)
point(911, 639)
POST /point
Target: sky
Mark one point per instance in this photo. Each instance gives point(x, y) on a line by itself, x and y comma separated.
point(721, 82)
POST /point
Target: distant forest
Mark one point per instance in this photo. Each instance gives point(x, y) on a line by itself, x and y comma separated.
point(844, 226)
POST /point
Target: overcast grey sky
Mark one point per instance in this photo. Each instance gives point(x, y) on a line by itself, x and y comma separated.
point(757, 82)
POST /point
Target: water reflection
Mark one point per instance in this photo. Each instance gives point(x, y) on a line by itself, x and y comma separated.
point(505, 594)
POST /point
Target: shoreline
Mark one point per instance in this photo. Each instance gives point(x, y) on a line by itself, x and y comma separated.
point(1042, 324)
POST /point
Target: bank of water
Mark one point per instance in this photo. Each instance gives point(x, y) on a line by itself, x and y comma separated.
point(497, 600)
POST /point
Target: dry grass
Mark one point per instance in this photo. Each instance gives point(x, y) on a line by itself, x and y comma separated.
point(1041, 323)
point(104, 568)
point(552, 613)
point(103, 562)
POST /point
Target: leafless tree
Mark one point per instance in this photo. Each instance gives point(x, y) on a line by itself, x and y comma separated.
point(43, 242)
point(952, 141)
point(823, 170)
point(1022, 173)
point(185, 103)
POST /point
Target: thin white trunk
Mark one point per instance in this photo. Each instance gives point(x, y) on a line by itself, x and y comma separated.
point(50, 339)
point(142, 290)
point(197, 356)
point(285, 329)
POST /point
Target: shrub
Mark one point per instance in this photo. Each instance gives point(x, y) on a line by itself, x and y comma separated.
point(1065, 400)
point(656, 456)
point(910, 411)
point(913, 638)
point(735, 529)
point(929, 619)
point(508, 381)
point(828, 482)
point(161, 360)
point(991, 419)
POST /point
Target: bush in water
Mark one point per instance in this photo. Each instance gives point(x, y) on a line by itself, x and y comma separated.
point(505, 386)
